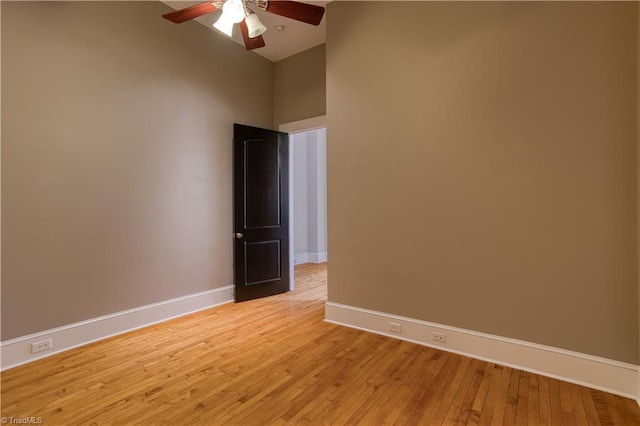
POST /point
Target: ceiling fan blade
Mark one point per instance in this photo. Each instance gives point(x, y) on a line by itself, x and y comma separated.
point(250, 43)
point(304, 12)
point(182, 15)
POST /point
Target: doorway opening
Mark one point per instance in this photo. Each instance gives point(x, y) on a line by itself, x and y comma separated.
point(307, 192)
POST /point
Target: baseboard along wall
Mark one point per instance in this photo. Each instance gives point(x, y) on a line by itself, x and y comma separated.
point(587, 370)
point(18, 351)
point(604, 374)
point(310, 258)
point(638, 391)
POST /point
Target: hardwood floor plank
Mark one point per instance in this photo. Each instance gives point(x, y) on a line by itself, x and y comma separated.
point(395, 377)
point(533, 410)
point(501, 392)
point(423, 398)
point(460, 408)
point(568, 415)
point(446, 393)
point(274, 361)
point(618, 415)
point(629, 410)
point(374, 379)
point(487, 410)
point(477, 405)
point(557, 416)
point(589, 407)
point(361, 365)
point(578, 407)
point(422, 369)
point(523, 397)
point(511, 409)
point(544, 401)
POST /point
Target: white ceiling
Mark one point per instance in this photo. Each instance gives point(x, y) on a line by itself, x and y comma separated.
point(297, 36)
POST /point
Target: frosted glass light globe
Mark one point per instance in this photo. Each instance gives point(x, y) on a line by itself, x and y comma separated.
point(234, 10)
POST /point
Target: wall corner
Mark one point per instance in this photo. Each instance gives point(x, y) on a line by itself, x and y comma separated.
point(638, 175)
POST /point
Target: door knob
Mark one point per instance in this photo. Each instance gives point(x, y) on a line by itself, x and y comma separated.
point(238, 235)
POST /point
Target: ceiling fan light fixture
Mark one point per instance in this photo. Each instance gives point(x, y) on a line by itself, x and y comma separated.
point(224, 25)
point(234, 10)
point(255, 27)
point(238, 12)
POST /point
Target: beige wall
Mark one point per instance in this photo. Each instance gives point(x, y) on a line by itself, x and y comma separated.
point(482, 168)
point(299, 86)
point(116, 158)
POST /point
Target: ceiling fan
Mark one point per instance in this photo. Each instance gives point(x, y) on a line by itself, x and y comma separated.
point(238, 12)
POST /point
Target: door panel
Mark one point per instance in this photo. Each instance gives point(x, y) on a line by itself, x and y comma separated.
point(262, 260)
point(261, 212)
point(262, 176)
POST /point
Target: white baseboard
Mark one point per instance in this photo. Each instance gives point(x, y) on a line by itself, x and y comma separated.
point(587, 370)
point(18, 351)
point(318, 257)
point(310, 258)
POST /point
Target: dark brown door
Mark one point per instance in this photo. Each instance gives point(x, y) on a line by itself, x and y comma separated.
point(261, 212)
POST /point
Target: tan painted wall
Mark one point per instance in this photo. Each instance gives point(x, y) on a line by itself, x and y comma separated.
point(116, 158)
point(299, 86)
point(638, 162)
point(482, 168)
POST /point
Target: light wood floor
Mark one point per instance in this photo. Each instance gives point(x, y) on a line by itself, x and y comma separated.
point(274, 361)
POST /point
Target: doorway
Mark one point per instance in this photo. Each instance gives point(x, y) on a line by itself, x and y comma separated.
point(307, 192)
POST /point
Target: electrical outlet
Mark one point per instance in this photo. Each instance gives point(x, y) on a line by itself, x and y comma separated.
point(43, 345)
point(439, 337)
point(395, 327)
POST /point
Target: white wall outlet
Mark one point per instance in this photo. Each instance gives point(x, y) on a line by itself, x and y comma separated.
point(439, 337)
point(395, 327)
point(43, 345)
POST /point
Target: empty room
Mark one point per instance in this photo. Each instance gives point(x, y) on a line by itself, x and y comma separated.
point(454, 241)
